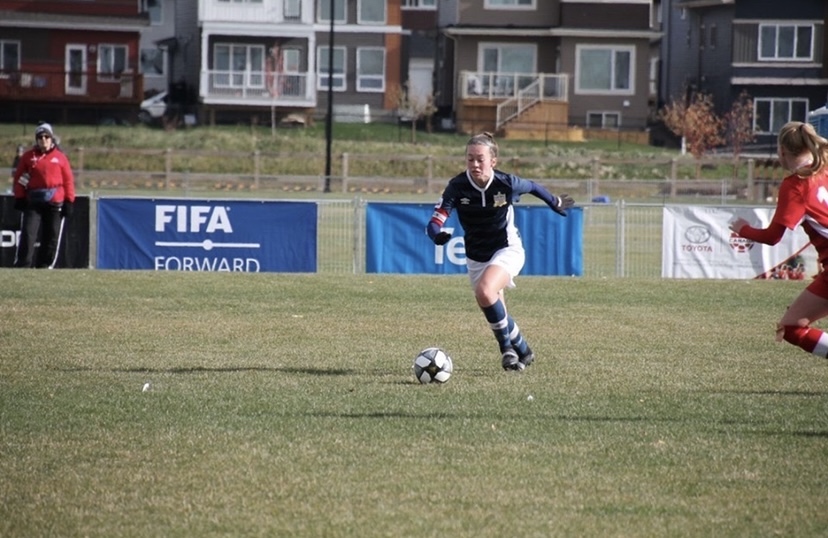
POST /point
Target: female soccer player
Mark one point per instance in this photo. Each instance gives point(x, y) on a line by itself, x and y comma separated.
point(483, 198)
point(803, 198)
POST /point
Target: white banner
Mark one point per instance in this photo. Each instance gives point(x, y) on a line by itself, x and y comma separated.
point(697, 243)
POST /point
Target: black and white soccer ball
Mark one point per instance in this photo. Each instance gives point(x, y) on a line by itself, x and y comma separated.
point(432, 365)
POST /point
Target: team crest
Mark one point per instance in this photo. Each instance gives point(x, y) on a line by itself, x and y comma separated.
point(499, 199)
point(740, 244)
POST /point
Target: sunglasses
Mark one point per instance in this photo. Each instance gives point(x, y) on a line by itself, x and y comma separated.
point(43, 136)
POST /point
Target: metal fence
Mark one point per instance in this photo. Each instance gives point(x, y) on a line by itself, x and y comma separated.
point(620, 239)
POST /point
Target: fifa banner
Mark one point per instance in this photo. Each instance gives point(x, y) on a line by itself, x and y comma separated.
point(396, 241)
point(73, 252)
point(697, 243)
point(201, 235)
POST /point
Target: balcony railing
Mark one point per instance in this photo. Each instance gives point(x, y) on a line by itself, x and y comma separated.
point(499, 86)
point(259, 87)
point(45, 85)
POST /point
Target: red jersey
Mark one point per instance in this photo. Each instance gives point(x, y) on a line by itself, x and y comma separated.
point(50, 170)
point(801, 201)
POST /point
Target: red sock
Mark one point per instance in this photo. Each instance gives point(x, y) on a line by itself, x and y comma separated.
point(811, 340)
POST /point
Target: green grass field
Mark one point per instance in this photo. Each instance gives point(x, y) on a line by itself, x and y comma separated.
point(284, 405)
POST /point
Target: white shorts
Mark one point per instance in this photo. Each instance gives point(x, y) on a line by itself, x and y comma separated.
point(510, 258)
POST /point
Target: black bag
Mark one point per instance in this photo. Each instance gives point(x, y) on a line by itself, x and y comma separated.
point(41, 196)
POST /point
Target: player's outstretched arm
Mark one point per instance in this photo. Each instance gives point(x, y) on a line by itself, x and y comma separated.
point(559, 204)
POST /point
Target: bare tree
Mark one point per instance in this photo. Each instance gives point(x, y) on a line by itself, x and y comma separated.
point(739, 124)
point(697, 123)
point(414, 108)
point(739, 127)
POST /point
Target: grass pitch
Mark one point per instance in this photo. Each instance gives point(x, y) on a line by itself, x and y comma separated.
point(284, 405)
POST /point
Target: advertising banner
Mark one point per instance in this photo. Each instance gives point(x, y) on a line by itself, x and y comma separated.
point(73, 252)
point(206, 235)
point(396, 241)
point(697, 243)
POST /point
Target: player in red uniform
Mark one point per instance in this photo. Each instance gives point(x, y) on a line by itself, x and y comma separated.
point(803, 199)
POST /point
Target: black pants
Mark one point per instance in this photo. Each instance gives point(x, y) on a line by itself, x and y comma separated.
point(45, 220)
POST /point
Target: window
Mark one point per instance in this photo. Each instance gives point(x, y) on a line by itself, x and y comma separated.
point(769, 115)
point(238, 65)
point(509, 4)
point(604, 70)
point(371, 12)
point(338, 83)
point(501, 62)
point(153, 8)
point(419, 4)
point(9, 56)
point(153, 62)
point(290, 61)
point(713, 36)
point(324, 9)
point(603, 119)
point(292, 84)
point(786, 42)
point(371, 70)
point(293, 9)
point(499, 58)
point(112, 60)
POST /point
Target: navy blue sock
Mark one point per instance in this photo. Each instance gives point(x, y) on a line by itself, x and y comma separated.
point(516, 337)
point(496, 316)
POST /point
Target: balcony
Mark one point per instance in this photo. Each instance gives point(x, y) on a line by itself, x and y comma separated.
point(266, 11)
point(519, 105)
point(491, 86)
point(82, 88)
point(258, 88)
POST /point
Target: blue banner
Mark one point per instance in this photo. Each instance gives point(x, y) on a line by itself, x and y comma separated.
point(396, 241)
point(202, 235)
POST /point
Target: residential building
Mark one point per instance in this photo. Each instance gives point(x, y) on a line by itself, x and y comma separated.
point(538, 68)
point(774, 51)
point(156, 41)
point(70, 61)
point(419, 22)
point(258, 60)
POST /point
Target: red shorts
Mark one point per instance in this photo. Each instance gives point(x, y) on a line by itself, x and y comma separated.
point(819, 286)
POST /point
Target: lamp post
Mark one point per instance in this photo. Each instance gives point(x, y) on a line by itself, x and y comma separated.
point(329, 115)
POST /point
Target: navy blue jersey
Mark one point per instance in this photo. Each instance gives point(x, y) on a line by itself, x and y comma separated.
point(486, 214)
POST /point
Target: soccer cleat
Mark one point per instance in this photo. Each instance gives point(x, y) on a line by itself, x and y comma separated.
point(527, 358)
point(510, 360)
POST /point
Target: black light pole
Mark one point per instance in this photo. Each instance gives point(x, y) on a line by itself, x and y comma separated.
point(329, 116)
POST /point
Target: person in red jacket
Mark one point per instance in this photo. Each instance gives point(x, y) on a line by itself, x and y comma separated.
point(44, 191)
point(803, 200)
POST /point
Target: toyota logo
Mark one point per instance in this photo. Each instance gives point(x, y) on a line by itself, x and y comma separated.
point(697, 234)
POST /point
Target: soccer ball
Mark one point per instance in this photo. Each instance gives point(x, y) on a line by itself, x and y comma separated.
point(432, 365)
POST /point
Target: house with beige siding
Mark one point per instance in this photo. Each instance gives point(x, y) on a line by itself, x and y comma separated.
point(548, 68)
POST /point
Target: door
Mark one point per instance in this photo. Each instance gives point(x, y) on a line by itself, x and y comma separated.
point(75, 83)
point(420, 87)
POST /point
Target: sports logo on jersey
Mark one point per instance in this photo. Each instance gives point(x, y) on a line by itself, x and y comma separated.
point(499, 199)
point(465, 201)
